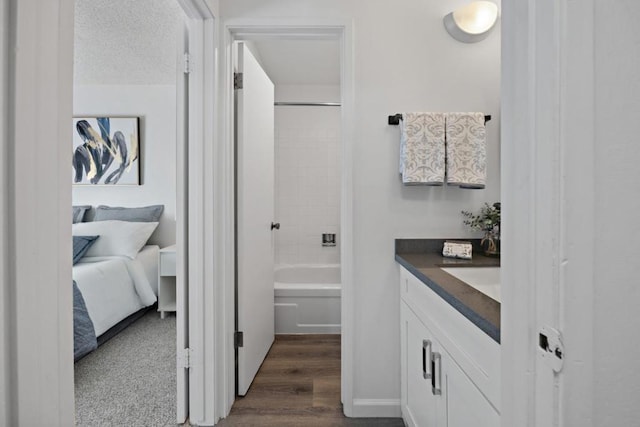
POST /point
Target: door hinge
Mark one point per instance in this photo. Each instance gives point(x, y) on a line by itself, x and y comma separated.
point(238, 80)
point(238, 339)
point(184, 358)
point(187, 63)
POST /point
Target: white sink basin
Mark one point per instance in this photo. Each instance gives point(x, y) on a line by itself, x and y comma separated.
point(484, 279)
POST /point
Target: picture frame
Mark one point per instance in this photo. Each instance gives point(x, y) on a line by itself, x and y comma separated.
point(106, 150)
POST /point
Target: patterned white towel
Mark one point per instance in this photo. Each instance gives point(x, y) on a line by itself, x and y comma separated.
point(466, 150)
point(422, 151)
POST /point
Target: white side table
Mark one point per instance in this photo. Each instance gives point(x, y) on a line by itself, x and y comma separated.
point(167, 280)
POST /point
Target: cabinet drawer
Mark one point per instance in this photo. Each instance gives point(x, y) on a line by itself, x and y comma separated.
point(167, 263)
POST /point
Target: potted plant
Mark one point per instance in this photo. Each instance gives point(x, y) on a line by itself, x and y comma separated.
point(488, 221)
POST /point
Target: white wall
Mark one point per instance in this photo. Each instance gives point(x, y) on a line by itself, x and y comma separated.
point(307, 145)
point(125, 64)
point(616, 297)
point(4, 283)
point(156, 106)
point(404, 61)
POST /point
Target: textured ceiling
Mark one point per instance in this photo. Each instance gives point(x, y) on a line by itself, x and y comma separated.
point(126, 41)
point(300, 62)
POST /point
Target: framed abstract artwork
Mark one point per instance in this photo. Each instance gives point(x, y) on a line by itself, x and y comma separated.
point(106, 151)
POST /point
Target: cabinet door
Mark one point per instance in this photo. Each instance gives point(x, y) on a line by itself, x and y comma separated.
point(420, 405)
point(466, 405)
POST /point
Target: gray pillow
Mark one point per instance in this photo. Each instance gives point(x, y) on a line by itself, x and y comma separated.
point(78, 213)
point(142, 214)
point(81, 245)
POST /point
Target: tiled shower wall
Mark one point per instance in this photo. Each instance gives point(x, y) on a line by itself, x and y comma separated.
point(307, 144)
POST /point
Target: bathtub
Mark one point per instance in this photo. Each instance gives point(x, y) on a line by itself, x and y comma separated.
point(307, 299)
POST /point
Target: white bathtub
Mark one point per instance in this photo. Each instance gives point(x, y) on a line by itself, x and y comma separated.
point(307, 299)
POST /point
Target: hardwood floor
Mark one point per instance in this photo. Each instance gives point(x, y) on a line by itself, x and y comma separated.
point(298, 385)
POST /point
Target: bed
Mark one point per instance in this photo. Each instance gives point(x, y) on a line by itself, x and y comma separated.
point(115, 287)
point(115, 279)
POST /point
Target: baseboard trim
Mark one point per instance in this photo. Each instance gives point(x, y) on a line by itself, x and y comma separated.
point(376, 408)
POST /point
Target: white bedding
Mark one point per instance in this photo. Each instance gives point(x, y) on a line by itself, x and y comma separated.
point(116, 287)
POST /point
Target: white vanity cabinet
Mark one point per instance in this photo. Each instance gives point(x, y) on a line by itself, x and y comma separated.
point(437, 371)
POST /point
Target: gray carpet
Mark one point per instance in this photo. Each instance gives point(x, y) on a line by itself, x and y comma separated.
point(131, 379)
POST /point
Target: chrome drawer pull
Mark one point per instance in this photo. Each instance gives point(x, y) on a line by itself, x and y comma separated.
point(436, 391)
point(426, 343)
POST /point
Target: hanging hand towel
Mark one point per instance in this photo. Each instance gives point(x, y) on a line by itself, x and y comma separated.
point(466, 150)
point(422, 149)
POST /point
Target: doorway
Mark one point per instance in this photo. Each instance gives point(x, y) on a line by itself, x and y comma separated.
point(291, 104)
point(189, 96)
point(136, 334)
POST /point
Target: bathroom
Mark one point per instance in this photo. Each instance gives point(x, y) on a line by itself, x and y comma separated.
point(374, 206)
point(307, 190)
point(289, 120)
point(305, 75)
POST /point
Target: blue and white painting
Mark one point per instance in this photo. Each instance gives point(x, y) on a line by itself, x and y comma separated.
point(106, 151)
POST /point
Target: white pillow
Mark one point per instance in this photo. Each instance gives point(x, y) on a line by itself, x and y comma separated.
point(117, 238)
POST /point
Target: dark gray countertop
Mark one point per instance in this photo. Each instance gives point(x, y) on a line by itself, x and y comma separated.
point(423, 258)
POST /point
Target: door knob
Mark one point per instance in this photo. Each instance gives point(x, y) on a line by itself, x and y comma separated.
point(275, 225)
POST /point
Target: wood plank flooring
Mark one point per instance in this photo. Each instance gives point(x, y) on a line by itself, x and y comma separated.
point(298, 385)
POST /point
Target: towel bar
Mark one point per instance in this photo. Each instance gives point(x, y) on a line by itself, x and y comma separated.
point(395, 119)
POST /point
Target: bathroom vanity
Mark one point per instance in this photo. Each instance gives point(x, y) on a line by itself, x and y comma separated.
point(450, 337)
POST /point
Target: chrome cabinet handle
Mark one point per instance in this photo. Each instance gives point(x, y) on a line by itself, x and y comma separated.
point(436, 391)
point(275, 225)
point(426, 344)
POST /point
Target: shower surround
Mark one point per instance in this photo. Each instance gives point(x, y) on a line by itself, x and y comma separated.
point(308, 164)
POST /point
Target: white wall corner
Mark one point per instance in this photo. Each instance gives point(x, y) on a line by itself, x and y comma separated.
point(376, 408)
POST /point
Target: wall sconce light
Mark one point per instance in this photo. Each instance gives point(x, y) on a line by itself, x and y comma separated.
point(473, 22)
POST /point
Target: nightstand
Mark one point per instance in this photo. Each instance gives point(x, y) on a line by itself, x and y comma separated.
point(167, 280)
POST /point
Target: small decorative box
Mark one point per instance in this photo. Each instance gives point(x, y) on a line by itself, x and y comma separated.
point(457, 250)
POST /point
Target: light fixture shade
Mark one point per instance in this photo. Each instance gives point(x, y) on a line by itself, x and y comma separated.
point(473, 22)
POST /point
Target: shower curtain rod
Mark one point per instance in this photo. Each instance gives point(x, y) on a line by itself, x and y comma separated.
point(308, 104)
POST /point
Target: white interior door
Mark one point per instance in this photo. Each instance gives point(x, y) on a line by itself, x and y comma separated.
point(255, 214)
point(182, 291)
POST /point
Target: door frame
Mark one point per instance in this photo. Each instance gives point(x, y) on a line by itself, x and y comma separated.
point(193, 225)
point(547, 112)
point(243, 29)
